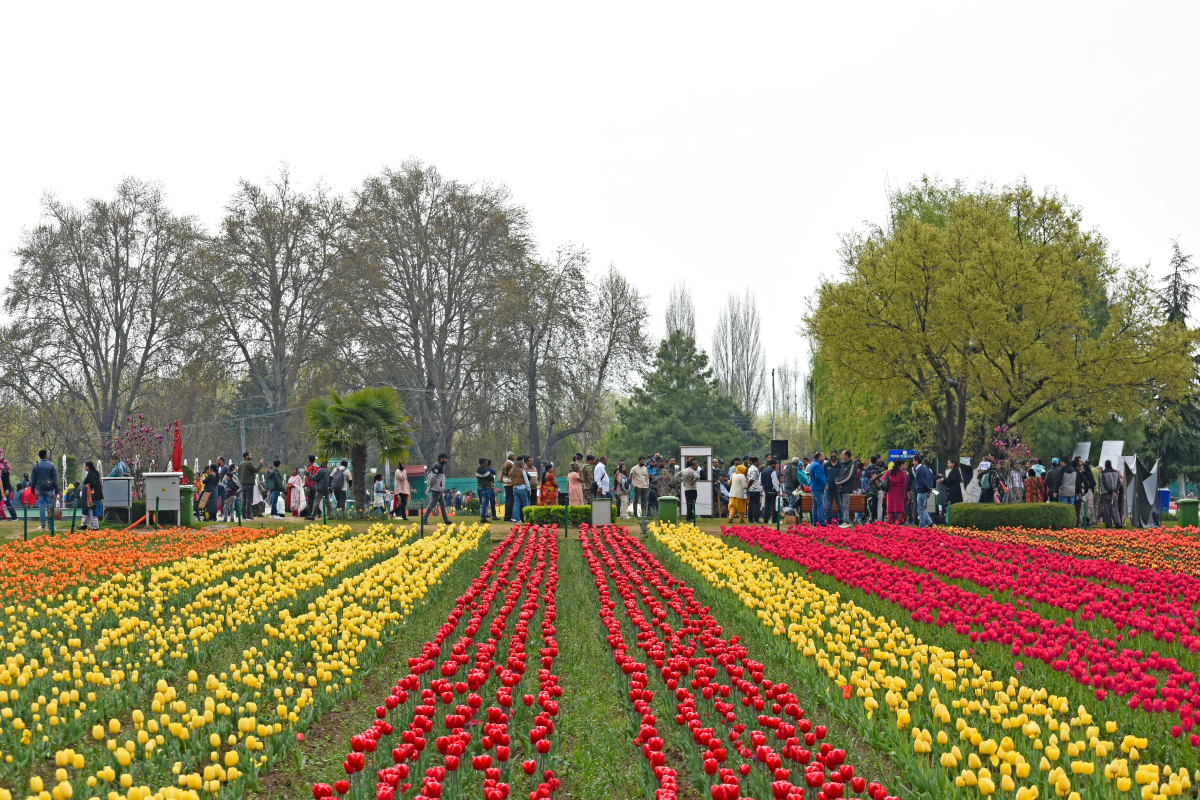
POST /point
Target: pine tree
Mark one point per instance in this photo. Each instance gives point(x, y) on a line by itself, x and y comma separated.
point(1178, 290)
point(680, 404)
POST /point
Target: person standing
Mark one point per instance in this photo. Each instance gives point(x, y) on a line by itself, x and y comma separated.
point(296, 492)
point(485, 484)
point(548, 489)
point(895, 483)
point(403, 490)
point(621, 488)
point(92, 492)
point(639, 478)
point(437, 489)
point(1110, 488)
point(319, 492)
point(953, 483)
point(600, 475)
point(833, 469)
point(1067, 484)
point(273, 485)
point(791, 479)
point(1053, 479)
point(337, 482)
point(209, 508)
point(987, 491)
point(508, 478)
point(754, 489)
point(845, 487)
point(574, 485)
point(1085, 486)
point(1035, 487)
point(687, 481)
point(7, 489)
point(589, 479)
point(817, 485)
point(924, 486)
point(771, 491)
point(738, 486)
point(44, 480)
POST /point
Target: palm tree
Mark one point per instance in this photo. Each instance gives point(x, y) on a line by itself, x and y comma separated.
point(345, 426)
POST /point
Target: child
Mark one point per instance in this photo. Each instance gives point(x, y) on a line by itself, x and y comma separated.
point(232, 490)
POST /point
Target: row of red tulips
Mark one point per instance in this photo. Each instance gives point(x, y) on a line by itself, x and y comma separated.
point(1134, 600)
point(444, 701)
point(1099, 664)
point(632, 673)
point(723, 699)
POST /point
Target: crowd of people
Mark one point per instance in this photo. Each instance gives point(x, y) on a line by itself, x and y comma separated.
point(907, 491)
point(835, 489)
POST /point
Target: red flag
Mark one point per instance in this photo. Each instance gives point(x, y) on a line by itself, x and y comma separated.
point(177, 452)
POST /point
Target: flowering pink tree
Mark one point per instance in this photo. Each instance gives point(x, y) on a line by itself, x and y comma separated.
point(139, 444)
point(4, 465)
point(1008, 445)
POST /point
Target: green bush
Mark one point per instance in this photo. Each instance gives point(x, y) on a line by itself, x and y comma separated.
point(545, 515)
point(471, 506)
point(989, 516)
point(72, 475)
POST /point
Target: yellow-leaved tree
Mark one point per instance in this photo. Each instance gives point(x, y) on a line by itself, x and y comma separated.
point(996, 304)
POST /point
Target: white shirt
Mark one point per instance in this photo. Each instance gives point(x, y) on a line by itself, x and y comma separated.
point(601, 478)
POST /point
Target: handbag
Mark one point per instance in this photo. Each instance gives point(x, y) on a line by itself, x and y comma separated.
point(202, 502)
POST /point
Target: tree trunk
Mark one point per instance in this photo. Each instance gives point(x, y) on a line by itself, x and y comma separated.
point(358, 467)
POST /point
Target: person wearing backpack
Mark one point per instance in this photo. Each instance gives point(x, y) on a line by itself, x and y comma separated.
point(44, 479)
point(337, 482)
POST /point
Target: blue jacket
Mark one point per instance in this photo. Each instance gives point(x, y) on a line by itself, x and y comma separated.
point(43, 470)
point(924, 479)
point(816, 476)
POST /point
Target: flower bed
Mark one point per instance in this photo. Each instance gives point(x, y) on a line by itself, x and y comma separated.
point(150, 633)
point(46, 566)
point(953, 724)
point(723, 695)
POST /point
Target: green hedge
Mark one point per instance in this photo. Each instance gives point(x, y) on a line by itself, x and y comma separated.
point(471, 506)
point(544, 515)
point(989, 516)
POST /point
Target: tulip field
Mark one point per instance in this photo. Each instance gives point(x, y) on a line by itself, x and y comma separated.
point(381, 662)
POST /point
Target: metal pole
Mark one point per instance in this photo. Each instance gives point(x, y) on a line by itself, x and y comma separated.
point(156, 513)
point(772, 403)
point(243, 427)
point(73, 510)
point(25, 516)
point(237, 506)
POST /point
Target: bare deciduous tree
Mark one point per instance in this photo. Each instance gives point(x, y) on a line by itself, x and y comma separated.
point(739, 362)
point(681, 311)
point(266, 285)
point(431, 254)
point(95, 298)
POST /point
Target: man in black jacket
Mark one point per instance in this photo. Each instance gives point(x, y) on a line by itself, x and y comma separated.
point(44, 479)
point(1053, 480)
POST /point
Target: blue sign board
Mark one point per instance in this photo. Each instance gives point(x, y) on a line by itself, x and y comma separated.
point(897, 455)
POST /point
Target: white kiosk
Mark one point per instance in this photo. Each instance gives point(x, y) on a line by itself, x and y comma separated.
point(704, 488)
point(162, 492)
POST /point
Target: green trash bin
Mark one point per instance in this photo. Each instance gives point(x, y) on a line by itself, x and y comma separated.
point(185, 505)
point(1189, 512)
point(668, 509)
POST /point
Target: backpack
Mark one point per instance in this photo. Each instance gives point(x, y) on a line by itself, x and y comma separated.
point(985, 482)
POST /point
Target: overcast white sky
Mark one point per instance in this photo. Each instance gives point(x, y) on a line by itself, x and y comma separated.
point(728, 144)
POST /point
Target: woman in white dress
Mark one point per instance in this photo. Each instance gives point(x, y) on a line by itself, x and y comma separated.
point(296, 493)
